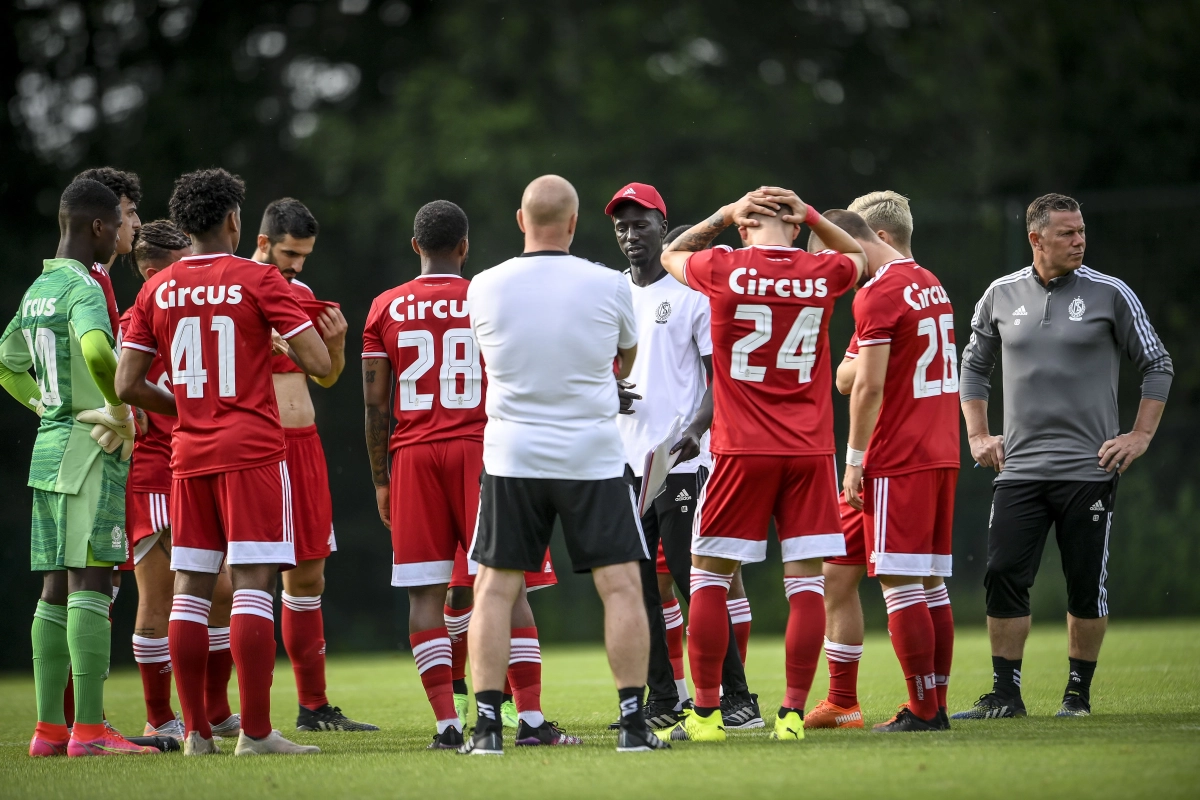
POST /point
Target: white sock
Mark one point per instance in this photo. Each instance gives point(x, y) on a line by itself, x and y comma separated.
point(533, 719)
point(443, 724)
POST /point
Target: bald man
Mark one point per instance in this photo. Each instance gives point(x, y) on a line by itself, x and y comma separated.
point(548, 326)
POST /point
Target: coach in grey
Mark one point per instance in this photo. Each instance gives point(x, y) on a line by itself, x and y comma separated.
point(1059, 329)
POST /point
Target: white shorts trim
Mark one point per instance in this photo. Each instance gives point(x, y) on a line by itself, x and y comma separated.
point(144, 546)
point(819, 545)
point(943, 566)
point(746, 551)
point(194, 559)
point(915, 564)
point(530, 589)
point(262, 553)
point(424, 573)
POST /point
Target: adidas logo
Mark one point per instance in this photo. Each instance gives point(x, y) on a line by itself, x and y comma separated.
point(1021, 312)
point(683, 495)
point(629, 191)
point(1097, 506)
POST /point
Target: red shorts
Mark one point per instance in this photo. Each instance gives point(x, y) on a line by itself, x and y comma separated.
point(911, 522)
point(434, 503)
point(745, 491)
point(147, 515)
point(312, 507)
point(464, 573)
point(660, 561)
point(247, 512)
point(856, 536)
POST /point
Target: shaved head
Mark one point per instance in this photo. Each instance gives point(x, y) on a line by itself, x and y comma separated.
point(549, 201)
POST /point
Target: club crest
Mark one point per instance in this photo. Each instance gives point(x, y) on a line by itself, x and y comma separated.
point(1076, 309)
point(663, 312)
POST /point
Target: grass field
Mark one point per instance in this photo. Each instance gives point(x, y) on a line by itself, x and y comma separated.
point(1143, 741)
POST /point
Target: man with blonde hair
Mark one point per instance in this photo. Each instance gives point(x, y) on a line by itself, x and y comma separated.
point(888, 214)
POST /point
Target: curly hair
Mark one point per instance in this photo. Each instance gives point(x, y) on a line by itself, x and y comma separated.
point(155, 242)
point(122, 184)
point(201, 199)
point(439, 226)
point(1037, 216)
point(287, 216)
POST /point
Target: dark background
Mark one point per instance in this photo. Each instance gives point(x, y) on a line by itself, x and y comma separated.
point(365, 110)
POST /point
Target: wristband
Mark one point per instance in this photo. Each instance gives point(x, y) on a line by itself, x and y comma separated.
point(854, 458)
point(812, 217)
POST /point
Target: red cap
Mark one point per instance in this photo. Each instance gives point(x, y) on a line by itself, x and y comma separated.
point(641, 193)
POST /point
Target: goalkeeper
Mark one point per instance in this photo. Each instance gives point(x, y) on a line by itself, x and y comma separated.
point(78, 471)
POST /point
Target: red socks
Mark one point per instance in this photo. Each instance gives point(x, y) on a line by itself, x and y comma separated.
point(739, 615)
point(708, 634)
point(805, 632)
point(457, 622)
point(911, 629)
point(673, 616)
point(431, 650)
point(153, 657)
point(304, 640)
point(843, 672)
point(525, 674)
point(252, 642)
point(938, 600)
point(216, 679)
point(187, 635)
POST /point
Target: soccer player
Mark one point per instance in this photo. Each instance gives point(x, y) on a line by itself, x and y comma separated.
point(62, 331)
point(419, 332)
point(772, 433)
point(904, 403)
point(128, 188)
point(286, 238)
point(889, 216)
point(147, 524)
point(549, 327)
point(231, 496)
point(673, 377)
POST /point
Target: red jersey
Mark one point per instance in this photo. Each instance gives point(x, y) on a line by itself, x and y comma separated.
point(281, 363)
point(214, 313)
point(101, 276)
point(770, 323)
point(150, 469)
point(905, 306)
point(423, 329)
point(852, 348)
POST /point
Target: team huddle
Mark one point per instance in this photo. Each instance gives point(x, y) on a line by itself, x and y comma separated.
point(179, 441)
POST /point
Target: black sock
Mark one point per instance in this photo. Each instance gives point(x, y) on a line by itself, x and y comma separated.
point(1006, 677)
point(507, 697)
point(488, 704)
point(631, 707)
point(1080, 681)
point(704, 711)
point(784, 711)
point(460, 686)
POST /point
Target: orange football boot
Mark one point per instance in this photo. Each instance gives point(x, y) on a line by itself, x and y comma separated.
point(827, 715)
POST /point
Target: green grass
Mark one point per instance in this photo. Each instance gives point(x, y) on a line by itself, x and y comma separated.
point(1144, 739)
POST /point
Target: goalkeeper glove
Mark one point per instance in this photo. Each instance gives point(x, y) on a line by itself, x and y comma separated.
point(114, 427)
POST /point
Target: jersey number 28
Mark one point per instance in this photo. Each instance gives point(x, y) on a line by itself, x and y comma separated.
point(460, 357)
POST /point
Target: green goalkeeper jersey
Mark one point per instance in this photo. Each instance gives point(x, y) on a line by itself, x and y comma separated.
point(62, 305)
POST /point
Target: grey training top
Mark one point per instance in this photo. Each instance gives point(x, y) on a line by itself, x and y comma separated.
point(1061, 346)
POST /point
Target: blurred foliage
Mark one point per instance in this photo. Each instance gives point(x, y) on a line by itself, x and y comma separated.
point(366, 110)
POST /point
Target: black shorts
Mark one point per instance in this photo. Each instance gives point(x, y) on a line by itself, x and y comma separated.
point(671, 515)
point(1022, 513)
point(516, 519)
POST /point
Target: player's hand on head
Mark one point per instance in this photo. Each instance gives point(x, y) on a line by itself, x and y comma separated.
point(279, 347)
point(786, 197)
point(688, 446)
point(625, 396)
point(755, 202)
point(1121, 451)
point(852, 486)
point(988, 451)
point(383, 502)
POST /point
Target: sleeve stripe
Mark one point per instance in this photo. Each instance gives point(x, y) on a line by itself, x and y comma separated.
point(300, 329)
point(851, 355)
point(374, 355)
point(143, 348)
point(869, 342)
point(1024, 272)
point(1141, 323)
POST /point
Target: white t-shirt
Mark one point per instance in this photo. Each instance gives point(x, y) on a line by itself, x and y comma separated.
point(548, 327)
point(673, 333)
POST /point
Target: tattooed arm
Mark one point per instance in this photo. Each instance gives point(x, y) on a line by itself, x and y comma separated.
point(760, 201)
point(377, 385)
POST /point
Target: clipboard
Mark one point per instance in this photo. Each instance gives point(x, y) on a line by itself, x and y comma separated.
point(657, 466)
